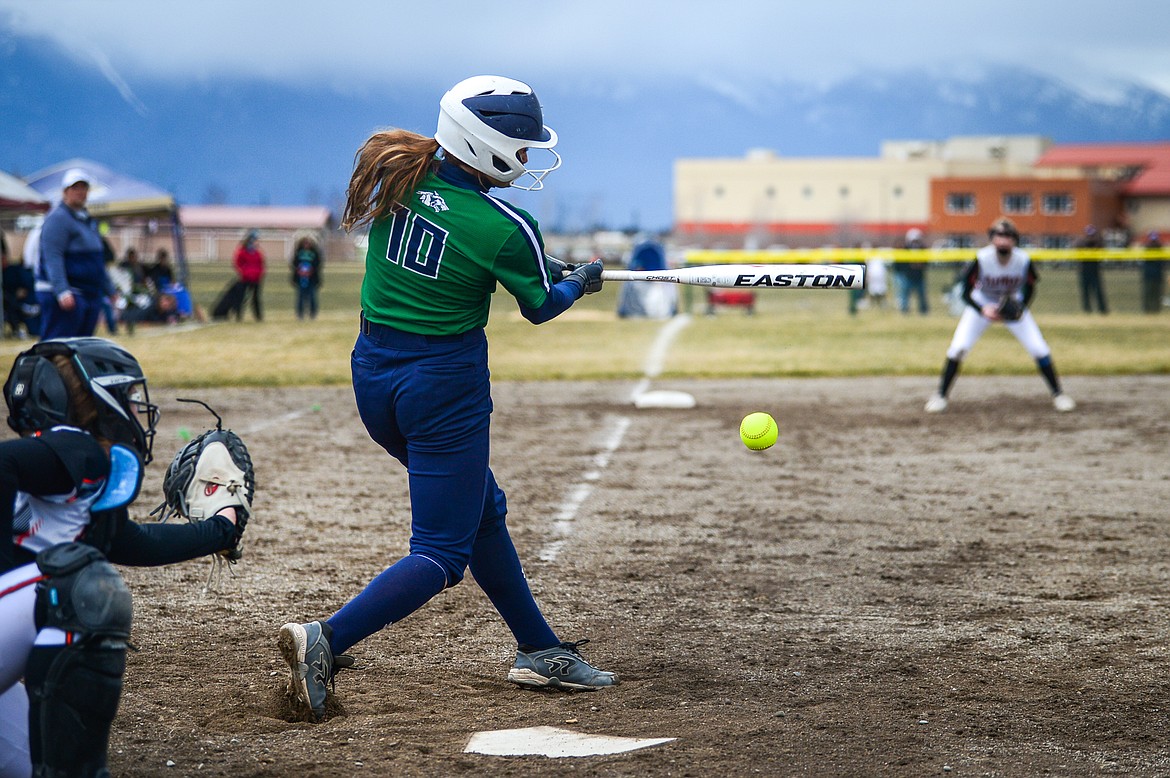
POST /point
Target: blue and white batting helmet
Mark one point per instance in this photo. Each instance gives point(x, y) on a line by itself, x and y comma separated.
point(486, 121)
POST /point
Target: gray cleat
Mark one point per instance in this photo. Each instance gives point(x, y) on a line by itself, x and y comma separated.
point(306, 649)
point(559, 667)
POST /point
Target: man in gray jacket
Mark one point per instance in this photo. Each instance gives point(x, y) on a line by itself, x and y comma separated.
point(71, 276)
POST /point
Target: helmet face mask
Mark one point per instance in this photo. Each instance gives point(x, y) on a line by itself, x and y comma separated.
point(487, 121)
point(38, 399)
point(126, 414)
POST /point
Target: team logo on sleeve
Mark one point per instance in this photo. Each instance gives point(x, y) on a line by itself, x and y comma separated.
point(433, 200)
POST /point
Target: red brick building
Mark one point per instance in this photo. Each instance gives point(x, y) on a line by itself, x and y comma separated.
point(1123, 189)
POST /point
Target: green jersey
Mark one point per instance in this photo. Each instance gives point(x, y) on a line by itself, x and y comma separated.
point(432, 266)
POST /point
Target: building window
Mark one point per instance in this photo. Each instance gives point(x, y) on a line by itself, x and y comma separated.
point(960, 240)
point(960, 203)
point(1058, 203)
point(1017, 202)
point(1056, 241)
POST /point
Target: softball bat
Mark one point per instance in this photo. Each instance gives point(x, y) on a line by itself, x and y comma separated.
point(752, 276)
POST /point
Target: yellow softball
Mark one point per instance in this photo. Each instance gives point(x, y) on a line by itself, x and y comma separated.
point(758, 431)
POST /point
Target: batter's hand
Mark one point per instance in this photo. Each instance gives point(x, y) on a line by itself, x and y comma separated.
point(991, 312)
point(557, 270)
point(589, 275)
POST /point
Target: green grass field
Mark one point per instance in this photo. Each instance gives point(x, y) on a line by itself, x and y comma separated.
point(792, 334)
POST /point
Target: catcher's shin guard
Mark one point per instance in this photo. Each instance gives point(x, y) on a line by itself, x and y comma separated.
point(73, 689)
point(73, 696)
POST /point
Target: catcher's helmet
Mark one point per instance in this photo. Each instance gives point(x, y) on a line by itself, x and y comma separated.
point(38, 398)
point(1004, 226)
point(485, 122)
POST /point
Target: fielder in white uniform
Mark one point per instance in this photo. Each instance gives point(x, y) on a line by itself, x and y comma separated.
point(1000, 270)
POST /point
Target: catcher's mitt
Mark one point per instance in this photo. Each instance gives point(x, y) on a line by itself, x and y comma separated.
point(1010, 309)
point(212, 472)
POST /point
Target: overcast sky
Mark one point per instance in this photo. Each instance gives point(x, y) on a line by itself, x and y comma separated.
point(354, 44)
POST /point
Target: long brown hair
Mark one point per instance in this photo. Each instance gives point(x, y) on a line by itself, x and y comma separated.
point(83, 409)
point(386, 169)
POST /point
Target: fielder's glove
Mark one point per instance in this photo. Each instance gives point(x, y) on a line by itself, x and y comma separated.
point(1010, 309)
point(589, 275)
point(212, 472)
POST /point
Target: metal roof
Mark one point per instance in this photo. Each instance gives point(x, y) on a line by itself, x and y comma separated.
point(258, 217)
point(1149, 161)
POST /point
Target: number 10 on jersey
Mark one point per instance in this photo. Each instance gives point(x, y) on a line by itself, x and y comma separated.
point(416, 243)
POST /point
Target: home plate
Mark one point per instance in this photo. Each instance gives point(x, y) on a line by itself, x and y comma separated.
point(551, 741)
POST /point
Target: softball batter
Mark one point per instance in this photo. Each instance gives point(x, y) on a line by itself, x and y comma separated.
point(998, 286)
point(439, 245)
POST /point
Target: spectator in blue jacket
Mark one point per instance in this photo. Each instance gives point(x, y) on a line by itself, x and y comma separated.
point(71, 276)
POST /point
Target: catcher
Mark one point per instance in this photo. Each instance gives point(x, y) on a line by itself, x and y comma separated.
point(997, 287)
point(87, 426)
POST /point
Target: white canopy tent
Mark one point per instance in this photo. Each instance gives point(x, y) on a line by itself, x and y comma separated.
point(15, 195)
point(115, 196)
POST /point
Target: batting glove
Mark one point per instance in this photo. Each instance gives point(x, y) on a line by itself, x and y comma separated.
point(589, 275)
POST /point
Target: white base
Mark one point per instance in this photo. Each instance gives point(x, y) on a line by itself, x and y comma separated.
point(664, 398)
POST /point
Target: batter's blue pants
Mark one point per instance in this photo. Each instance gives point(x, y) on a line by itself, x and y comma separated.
point(427, 401)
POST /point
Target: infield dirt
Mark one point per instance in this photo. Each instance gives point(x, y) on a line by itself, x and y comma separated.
point(883, 592)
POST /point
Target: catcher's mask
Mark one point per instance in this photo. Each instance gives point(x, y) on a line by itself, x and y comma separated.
point(38, 398)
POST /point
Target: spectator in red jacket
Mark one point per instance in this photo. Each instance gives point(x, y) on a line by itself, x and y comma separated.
point(249, 261)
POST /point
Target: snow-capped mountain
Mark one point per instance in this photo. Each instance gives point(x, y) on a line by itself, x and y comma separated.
point(251, 142)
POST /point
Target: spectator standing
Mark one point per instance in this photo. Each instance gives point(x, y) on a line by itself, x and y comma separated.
point(913, 276)
point(109, 313)
point(1090, 273)
point(1153, 276)
point(876, 281)
point(249, 262)
point(21, 312)
point(32, 249)
point(71, 277)
point(856, 295)
point(306, 276)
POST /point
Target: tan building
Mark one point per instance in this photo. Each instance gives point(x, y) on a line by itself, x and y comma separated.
point(764, 199)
